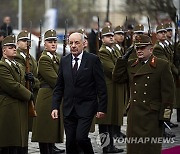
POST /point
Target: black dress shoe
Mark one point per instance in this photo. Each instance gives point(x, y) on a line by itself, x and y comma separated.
point(112, 149)
point(57, 150)
point(168, 135)
point(172, 125)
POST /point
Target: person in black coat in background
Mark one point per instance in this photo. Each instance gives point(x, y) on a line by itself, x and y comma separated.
point(6, 27)
point(82, 86)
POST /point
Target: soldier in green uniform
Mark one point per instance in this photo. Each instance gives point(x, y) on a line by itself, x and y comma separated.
point(114, 109)
point(22, 47)
point(169, 34)
point(138, 30)
point(47, 131)
point(151, 96)
point(14, 99)
point(178, 84)
point(162, 49)
point(121, 89)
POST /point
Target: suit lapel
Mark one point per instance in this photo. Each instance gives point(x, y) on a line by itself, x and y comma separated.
point(68, 64)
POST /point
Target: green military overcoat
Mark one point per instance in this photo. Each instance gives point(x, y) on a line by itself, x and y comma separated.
point(115, 108)
point(178, 79)
point(122, 90)
point(45, 129)
point(13, 105)
point(151, 100)
point(21, 58)
point(164, 51)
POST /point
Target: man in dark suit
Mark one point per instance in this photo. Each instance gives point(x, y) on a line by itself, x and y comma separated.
point(81, 84)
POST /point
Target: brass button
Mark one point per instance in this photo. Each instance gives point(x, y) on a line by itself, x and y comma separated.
point(145, 84)
point(144, 93)
point(135, 92)
point(134, 100)
point(144, 101)
point(148, 77)
point(135, 83)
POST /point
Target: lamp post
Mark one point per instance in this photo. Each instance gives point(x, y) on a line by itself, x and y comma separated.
point(20, 15)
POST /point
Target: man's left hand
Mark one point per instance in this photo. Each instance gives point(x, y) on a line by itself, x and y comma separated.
point(100, 115)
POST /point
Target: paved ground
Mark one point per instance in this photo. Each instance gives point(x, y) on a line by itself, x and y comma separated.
point(33, 147)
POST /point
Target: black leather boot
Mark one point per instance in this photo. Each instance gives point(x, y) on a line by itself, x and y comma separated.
point(56, 150)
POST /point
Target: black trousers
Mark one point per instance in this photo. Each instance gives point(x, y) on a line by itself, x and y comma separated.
point(13, 150)
point(77, 129)
point(45, 148)
point(103, 128)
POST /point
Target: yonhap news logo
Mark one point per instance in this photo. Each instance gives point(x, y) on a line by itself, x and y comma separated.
point(103, 140)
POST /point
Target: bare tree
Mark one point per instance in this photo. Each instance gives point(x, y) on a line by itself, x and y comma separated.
point(153, 8)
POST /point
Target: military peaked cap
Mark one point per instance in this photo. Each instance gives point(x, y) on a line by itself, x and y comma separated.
point(142, 40)
point(139, 28)
point(82, 31)
point(161, 28)
point(50, 35)
point(23, 36)
point(118, 29)
point(107, 31)
point(169, 26)
point(9, 40)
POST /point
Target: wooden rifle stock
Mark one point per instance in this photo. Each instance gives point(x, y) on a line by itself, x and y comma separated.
point(31, 109)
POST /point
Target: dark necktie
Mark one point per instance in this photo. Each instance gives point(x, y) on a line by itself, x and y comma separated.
point(75, 68)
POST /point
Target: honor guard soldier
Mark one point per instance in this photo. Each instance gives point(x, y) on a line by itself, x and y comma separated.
point(47, 131)
point(21, 57)
point(152, 96)
point(178, 84)
point(138, 30)
point(121, 89)
point(14, 99)
point(114, 109)
point(163, 50)
point(169, 34)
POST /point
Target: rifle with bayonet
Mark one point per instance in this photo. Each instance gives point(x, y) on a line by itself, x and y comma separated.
point(98, 38)
point(31, 109)
point(65, 38)
point(40, 38)
point(149, 27)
